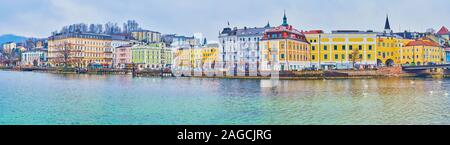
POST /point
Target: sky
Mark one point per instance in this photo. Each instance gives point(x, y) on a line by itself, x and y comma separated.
point(38, 18)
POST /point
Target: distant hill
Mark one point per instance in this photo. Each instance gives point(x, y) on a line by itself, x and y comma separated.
point(11, 37)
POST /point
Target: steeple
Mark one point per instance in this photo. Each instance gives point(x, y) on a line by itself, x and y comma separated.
point(285, 19)
point(386, 25)
point(268, 25)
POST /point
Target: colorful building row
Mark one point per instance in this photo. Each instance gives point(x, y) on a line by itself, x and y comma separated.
point(284, 48)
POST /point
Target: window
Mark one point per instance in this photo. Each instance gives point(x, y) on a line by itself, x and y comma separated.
point(335, 47)
point(325, 47)
point(343, 56)
point(325, 56)
point(313, 48)
point(343, 47)
point(336, 56)
point(370, 47)
point(360, 47)
point(313, 57)
point(351, 47)
point(360, 56)
point(282, 55)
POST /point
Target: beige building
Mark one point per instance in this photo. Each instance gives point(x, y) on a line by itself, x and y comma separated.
point(147, 36)
point(80, 50)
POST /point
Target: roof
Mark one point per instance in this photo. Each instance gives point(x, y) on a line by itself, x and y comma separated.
point(443, 31)
point(313, 32)
point(215, 45)
point(422, 43)
point(125, 46)
point(143, 30)
point(251, 31)
point(284, 28)
point(351, 32)
point(386, 25)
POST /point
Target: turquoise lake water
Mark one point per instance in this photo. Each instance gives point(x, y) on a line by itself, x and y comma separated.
point(44, 98)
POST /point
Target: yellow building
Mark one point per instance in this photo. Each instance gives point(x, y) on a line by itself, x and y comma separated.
point(80, 50)
point(284, 48)
point(389, 47)
point(188, 58)
point(422, 52)
point(210, 55)
point(389, 50)
point(342, 49)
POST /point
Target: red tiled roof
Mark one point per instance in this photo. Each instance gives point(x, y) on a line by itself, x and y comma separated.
point(313, 32)
point(284, 28)
point(422, 43)
point(443, 31)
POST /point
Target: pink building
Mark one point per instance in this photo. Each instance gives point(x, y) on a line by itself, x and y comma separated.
point(122, 57)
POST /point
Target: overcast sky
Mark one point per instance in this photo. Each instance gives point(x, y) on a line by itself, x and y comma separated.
point(38, 18)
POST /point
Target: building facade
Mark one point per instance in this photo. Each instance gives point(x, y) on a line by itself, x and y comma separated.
point(151, 56)
point(342, 49)
point(37, 58)
point(147, 36)
point(389, 47)
point(447, 55)
point(239, 50)
point(284, 49)
point(118, 41)
point(210, 57)
point(80, 50)
point(8, 47)
point(196, 61)
point(122, 57)
point(422, 52)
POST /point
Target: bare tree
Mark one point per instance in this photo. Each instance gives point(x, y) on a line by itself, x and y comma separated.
point(355, 56)
point(66, 55)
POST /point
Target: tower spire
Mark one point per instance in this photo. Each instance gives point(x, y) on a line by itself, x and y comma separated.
point(268, 25)
point(386, 25)
point(285, 19)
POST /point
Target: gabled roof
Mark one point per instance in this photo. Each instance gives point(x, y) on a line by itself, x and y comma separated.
point(443, 31)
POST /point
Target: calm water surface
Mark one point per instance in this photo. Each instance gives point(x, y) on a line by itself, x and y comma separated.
point(42, 98)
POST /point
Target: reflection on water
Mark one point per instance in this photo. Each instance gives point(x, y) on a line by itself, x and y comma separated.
point(40, 98)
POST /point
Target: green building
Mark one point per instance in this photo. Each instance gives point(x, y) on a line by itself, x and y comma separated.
point(152, 56)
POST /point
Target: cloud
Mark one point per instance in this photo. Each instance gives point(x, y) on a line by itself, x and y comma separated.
point(41, 17)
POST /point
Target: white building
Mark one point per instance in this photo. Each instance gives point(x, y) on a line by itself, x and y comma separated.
point(8, 47)
point(118, 41)
point(34, 58)
point(239, 51)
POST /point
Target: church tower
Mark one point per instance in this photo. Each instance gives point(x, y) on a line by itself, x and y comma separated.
point(387, 27)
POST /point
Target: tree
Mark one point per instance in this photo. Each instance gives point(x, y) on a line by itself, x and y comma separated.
point(66, 55)
point(355, 56)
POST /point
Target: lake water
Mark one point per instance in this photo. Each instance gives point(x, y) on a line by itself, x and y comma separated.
point(44, 98)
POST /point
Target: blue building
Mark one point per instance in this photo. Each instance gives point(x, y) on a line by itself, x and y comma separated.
point(447, 55)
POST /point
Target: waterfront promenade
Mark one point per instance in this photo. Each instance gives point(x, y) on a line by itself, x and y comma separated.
point(284, 75)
